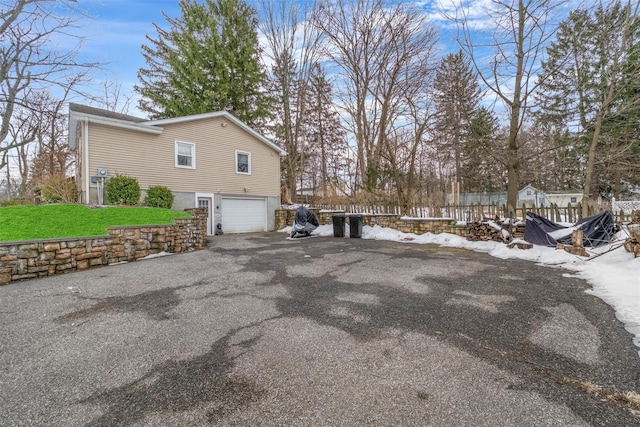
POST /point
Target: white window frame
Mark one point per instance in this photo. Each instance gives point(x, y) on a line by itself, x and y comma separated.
point(248, 154)
point(193, 155)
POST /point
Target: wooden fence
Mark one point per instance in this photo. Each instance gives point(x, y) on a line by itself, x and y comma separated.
point(474, 212)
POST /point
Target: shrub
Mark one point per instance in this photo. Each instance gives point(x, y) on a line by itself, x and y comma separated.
point(122, 190)
point(159, 197)
point(58, 189)
point(14, 202)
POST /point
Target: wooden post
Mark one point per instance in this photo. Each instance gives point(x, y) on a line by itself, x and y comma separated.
point(577, 238)
point(579, 212)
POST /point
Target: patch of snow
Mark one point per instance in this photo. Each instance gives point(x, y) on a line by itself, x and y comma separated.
point(426, 218)
point(158, 255)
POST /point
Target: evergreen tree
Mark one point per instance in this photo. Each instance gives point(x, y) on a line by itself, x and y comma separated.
point(325, 136)
point(483, 170)
point(208, 60)
point(287, 118)
point(590, 90)
point(463, 128)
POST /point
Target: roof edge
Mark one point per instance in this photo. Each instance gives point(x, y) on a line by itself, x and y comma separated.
point(217, 114)
point(108, 121)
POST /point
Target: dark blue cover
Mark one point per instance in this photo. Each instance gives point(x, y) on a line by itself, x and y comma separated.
point(597, 230)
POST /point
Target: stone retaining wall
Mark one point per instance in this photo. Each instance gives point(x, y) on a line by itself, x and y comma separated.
point(38, 258)
point(286, 217)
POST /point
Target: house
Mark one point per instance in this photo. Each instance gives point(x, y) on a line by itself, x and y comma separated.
point(210, 160)
point(530, 195)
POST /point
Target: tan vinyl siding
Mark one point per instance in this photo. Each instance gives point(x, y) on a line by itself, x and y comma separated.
point(151, 158)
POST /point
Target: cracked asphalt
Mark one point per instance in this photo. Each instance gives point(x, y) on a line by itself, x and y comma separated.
point(261, 330)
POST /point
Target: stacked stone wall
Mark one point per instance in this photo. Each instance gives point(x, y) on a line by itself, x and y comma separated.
point(38, 258)
point(285, 217)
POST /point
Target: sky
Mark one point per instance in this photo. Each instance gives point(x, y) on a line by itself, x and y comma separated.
point(613, 276)
point(115, 30)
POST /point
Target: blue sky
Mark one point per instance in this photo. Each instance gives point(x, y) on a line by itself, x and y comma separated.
point(116, 29)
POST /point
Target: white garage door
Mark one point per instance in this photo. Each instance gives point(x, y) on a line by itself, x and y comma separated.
point(243, 215)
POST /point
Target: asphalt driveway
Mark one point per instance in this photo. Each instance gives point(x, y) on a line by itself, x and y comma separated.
point(261, 330)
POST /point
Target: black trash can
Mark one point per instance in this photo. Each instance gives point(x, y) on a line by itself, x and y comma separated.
point(338, 225)
point(355, 226)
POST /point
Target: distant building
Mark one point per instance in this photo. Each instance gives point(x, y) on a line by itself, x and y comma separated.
point(532, 196)
point(528, 195)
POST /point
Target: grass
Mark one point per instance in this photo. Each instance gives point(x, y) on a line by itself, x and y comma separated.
point(50, 221)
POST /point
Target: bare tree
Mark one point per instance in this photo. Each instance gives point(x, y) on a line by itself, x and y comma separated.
point(520, 31)
point(292, 49)
point(52, 155)
point(113, 98)
point(29, 61)
point(383, 51)
point(40, 152)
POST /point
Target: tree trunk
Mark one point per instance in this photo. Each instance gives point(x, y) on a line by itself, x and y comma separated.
point(591, 161)
point(513, 163)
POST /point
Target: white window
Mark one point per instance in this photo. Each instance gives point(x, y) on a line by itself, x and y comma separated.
point(574, 200)
point(243, 162)
point(185, 155)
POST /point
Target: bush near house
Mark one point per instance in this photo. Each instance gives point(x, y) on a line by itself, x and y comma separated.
point(122, 190)
point(58, 189)
point(159, 197)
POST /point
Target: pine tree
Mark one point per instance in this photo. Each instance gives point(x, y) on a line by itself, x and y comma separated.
point(462, 127)
point(590, 89)
point(286, 126)
point(208, 60)
point(482, 170)
point(325, 136)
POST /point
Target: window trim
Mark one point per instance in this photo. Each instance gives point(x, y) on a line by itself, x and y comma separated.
point(248, 154)
point(193, 155)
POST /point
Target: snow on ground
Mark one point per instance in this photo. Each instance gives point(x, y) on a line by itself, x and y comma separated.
point(159, 254)
point(614, 276)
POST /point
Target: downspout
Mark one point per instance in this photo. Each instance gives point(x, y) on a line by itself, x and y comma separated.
point(85, 141)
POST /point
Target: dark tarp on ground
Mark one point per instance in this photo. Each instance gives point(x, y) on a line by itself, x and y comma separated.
point(304, 216)
point(597, 230)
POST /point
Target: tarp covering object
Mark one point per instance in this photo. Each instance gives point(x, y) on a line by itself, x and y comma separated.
point(597, 230)
point(304, 216)
point(305, 222)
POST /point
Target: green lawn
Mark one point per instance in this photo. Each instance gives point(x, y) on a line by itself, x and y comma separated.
point(48, 221)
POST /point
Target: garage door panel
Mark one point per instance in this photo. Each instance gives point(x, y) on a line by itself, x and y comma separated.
point(243, 215)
